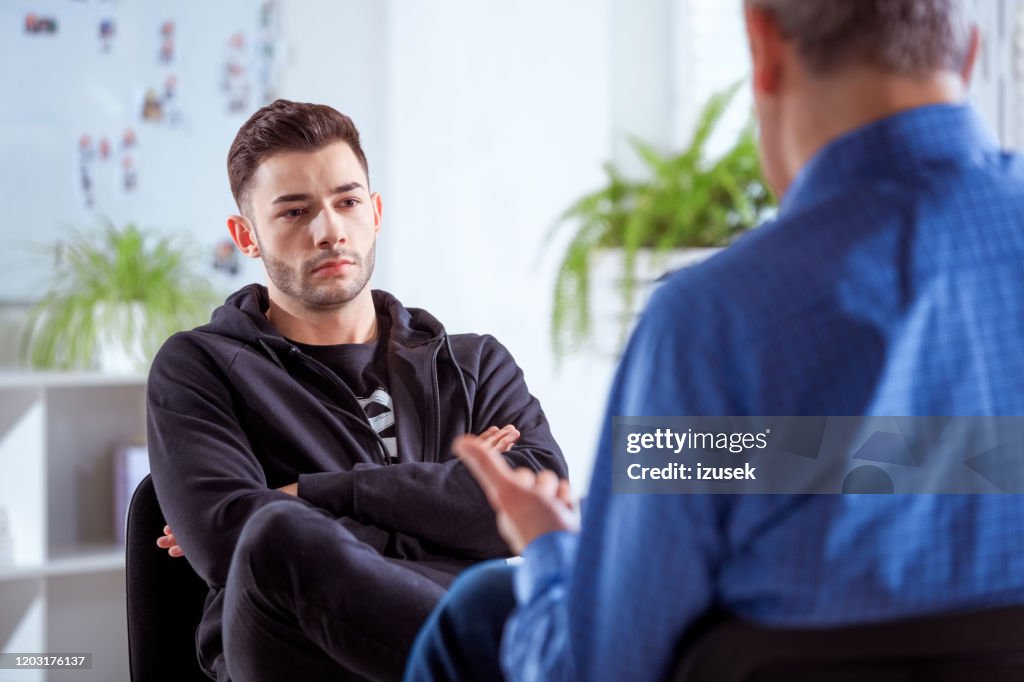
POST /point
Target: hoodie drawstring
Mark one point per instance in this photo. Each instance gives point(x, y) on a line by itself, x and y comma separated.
point(462, 382)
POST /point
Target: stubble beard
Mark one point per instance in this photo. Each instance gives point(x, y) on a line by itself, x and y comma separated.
point(297, 283)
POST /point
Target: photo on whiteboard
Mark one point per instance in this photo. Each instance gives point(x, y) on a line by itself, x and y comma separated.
point(269, 13)
point(129, 174)
point(40, 26)
point(171, 102)
point(166, 52)
point(85, 172)
point(152, 109)
point(225, 257)
point(235, 76)
point(161, 104)
point(107, 32)
point(268, 52)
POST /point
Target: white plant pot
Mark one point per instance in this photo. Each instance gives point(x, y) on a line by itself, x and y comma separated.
point(606, 302)
point(119, 347)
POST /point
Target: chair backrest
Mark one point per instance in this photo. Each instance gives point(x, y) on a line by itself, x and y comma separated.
point(165, 599)
point(980, 645)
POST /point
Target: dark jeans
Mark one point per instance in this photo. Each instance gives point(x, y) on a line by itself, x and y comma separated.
point(462, 638)
point(307, 600)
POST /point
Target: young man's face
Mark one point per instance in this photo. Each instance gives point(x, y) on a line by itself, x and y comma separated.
point(316, 225)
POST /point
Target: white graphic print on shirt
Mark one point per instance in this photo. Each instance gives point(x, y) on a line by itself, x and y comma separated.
point(382, 418)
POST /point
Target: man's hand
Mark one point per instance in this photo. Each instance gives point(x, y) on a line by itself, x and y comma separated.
point(528, 504)
point(167, 541)
point(501, 439)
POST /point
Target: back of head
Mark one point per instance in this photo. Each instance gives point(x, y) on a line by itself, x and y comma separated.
point(286, 126)
point(907, 37)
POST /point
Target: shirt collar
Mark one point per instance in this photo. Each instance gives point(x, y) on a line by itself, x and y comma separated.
point(893, 145)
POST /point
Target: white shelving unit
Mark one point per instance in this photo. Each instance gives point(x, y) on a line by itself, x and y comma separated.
point(64, 592)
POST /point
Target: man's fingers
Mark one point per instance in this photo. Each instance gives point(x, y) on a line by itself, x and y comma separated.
point(167, 541)
point(509, 436)
point(500, 439)
point(546, 484)
point(524, 477)
point(490, 435)
point(488, 467)
point(481, 458)
point(565, 494)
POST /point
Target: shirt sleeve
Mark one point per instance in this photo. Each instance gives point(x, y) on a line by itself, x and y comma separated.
point(207, 477)
point(536, 640)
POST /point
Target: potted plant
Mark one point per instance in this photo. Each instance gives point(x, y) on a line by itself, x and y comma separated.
point(687, 200)
point(114, 298)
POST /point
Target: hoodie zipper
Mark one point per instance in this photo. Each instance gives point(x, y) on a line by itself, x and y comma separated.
point(437, 403)
point(361, 420)
point(434, 375)
point(462, 382)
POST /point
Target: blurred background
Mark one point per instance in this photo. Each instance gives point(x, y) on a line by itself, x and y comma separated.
point(495, 130)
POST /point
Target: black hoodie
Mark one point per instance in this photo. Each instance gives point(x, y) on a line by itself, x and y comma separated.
point(235, 411)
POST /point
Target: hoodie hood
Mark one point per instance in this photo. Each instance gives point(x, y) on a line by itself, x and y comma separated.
point(243, 317)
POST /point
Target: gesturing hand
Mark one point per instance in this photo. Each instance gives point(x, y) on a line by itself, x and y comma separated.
point(527, 504)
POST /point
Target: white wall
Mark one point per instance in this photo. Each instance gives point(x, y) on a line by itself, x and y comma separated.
point(498, 118)
point(643, 76)
point(337, 54)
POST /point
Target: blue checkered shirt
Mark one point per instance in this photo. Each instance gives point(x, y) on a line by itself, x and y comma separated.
point(890, 283)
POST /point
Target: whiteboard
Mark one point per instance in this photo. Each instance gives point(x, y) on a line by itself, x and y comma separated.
point(72, 106)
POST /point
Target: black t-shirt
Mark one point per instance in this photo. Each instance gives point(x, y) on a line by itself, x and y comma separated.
point(363, 366)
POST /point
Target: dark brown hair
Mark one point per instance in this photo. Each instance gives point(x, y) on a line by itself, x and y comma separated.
point(908, 37)
point(285, 126)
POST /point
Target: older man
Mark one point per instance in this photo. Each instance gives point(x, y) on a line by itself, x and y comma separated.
point(889, 284)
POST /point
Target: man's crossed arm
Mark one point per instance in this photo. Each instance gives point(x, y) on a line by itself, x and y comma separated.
point(499, 439)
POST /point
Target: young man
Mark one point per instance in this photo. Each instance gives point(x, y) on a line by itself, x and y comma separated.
point(889, 284)
point(300, 442)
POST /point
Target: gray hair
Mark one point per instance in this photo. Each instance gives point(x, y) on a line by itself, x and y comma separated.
point(909, 37)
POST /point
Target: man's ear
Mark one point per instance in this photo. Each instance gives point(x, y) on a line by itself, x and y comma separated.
point(243, 233)
point(766, 50)
point(378, 210)
point(973, 45)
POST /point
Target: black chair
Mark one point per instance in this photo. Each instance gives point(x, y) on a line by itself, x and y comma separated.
point(965, 647)
point(165, 599)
